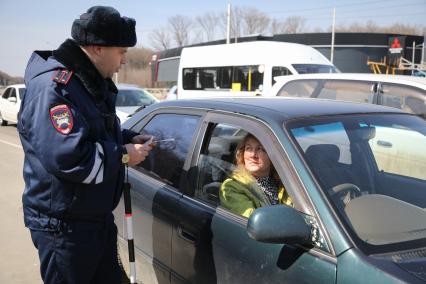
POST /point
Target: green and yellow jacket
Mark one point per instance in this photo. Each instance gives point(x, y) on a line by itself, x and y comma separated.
point(242, 195)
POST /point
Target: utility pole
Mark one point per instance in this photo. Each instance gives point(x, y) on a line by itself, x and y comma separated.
point(228, 26)
point(332, 35)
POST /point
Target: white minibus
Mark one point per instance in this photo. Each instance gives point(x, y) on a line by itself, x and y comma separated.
point(244, 69)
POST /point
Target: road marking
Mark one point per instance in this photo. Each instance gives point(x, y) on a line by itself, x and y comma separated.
point(11, 144)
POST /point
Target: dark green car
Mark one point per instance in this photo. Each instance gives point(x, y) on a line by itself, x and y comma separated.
point(356, 174)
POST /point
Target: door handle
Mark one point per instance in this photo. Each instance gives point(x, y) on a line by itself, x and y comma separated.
point(187, 235)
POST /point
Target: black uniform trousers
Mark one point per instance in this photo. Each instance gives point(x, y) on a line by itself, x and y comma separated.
point(79, 253)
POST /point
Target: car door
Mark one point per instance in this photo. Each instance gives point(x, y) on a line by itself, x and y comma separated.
point(407, 98)
point(6, 104)
point(155, 195)
point(211, 244)
point(14, 105)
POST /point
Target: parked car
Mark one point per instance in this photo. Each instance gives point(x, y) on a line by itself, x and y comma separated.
point(130, 98)
point(10, 102)
point(354, 220)
point(404, 92)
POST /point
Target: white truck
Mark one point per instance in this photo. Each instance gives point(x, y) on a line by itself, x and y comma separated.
point(10, 101)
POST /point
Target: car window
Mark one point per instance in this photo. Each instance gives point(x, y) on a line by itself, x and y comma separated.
point(409, 99)
point(394, 151)
point(167, 158)
point(216, 161)
point(6, 93)
point(133, 98)
point(279, 71)
point(12, 93)
point(314, 68)
point(325, 134)
point(21, 93)
point(386, 178)
point(299, 88)
point(346, 90)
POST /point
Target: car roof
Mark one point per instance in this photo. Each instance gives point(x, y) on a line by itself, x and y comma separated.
point(280, 107)
point(401, 79)
point(19, 86)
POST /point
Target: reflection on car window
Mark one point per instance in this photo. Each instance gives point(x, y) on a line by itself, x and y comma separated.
point(387, 169)
point(167, 158)
point(393, 150)
point(133, 98)
point(323, 134)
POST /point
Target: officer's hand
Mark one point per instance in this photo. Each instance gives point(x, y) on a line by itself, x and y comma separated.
point(137, 153)
point(141, 139)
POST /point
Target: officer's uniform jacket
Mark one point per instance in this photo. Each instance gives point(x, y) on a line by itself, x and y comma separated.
point(71, 138)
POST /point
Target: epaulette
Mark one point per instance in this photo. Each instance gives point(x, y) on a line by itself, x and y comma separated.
point(62, 76)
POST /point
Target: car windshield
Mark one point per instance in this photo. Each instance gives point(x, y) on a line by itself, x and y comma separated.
point(133, 97)
point(314, 68)
point(372, 168)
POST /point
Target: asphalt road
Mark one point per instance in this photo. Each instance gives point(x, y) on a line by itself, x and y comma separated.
point(19, 261)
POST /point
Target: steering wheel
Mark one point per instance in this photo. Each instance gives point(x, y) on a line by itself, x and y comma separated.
point(345, 192)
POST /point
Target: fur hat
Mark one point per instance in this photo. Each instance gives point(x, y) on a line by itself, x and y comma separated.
point(102, 25)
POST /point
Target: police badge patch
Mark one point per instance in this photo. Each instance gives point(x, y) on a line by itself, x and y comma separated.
point(61, 118)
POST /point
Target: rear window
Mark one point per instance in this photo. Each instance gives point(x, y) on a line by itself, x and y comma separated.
point(314, 68)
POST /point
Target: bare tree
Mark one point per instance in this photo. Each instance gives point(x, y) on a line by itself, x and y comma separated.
point(294, 25)
point(180, 28)
point(208, 23)
point(197, 36)
point(160, 39)
point(276, 26)
point(255, 21)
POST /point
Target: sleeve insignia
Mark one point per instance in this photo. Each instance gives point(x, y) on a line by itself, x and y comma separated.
point(61, 118)
point(62, 76)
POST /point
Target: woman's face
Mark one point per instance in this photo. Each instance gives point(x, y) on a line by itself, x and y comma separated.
point(256, 160)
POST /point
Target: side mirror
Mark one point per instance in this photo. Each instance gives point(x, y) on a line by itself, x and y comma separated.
point(279, 224)
point(12, 99)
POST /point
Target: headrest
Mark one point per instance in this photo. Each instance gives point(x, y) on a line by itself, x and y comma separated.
point(326, 153)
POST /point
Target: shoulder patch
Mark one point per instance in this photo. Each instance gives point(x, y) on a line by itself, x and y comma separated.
point(61, 118)
point(62, 76)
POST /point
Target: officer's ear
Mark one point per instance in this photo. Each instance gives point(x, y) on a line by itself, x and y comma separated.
point(97, 50)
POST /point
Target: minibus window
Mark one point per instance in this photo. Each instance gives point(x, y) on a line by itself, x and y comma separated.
point(279, 71)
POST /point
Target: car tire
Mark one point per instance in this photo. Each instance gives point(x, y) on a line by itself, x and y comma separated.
point(2, 121)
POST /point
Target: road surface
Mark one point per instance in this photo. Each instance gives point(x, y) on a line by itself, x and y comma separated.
point(19, 261)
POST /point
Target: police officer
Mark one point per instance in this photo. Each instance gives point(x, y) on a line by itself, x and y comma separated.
point(75, 150)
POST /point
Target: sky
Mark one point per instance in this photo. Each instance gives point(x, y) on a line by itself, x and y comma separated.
point(27, 25)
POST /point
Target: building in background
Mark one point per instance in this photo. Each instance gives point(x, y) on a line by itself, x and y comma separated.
point(352, 51)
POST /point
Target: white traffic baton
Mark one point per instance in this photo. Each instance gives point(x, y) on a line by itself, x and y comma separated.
point(129, 221)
